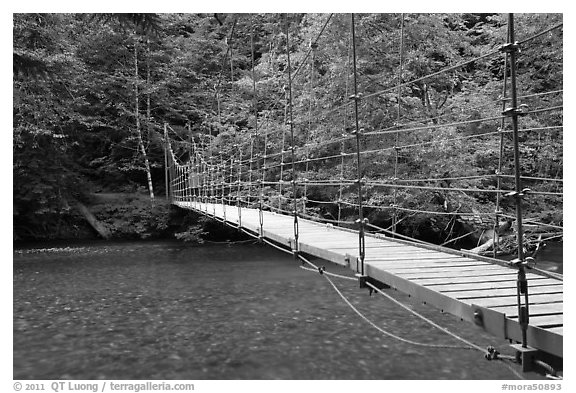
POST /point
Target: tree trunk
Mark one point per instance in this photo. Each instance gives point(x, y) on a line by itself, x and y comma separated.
point(483, 248)
point(93, 221)
point(138, 128)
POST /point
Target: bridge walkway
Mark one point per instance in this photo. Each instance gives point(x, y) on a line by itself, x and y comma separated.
point(477, 289)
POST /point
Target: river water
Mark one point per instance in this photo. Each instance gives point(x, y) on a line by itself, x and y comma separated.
point(165, 310)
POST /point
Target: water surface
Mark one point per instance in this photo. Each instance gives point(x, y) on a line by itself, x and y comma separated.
point(164, 310)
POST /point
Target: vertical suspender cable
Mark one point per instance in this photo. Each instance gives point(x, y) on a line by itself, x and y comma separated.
point(189, 171)
point(356, 98)
point(262, 178)
point(255, 104)
point(231, 179)
point(311, 103)
point(342, 144)
point(396, 149)
point(292, 142)
point(252, 136)
point(522, 283)
point(223, 164)
point(495, 236)
point(281, 179)
point(194, 179)
point(238, 204)
point(255, 107)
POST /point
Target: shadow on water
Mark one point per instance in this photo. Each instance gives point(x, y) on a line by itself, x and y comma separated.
point(164, 310)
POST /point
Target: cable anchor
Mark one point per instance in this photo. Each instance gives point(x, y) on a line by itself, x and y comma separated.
point(491, 353)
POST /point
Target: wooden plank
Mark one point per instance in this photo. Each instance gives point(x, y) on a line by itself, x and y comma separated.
point(490, 302)
point(433, 263)
point(379, 256)
point(375, 247)
point(545, 320)
point(557, 330)
point(482, 293)
point(408, 257)
point(498, 277)
point(434, 270)
point(427, 265)
point(453, 287)
point(387, 246)
point(449, 274)
point(536, 309)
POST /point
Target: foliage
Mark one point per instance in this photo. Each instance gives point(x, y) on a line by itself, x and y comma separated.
point(74, 114)
point(135, 217)
point(193, 234)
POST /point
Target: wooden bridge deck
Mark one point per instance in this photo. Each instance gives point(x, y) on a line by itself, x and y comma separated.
point(452, 281)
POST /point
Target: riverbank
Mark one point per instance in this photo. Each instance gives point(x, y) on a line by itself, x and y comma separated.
point(125, 217)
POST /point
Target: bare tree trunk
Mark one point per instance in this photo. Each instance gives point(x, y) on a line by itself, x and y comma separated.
point(148, 94)
point(138, 128)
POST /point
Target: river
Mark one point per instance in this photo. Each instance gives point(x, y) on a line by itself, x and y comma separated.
point(165, 310)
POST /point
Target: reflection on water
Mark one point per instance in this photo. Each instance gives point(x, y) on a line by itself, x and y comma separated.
point(168, 311)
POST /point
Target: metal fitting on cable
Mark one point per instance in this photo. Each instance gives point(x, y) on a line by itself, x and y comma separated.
point(516, 194)
point(510, 47)
point(528, 262)
point(521, 110)
point(355, 96)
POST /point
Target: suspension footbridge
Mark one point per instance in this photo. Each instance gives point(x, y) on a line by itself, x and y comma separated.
point(266, 193)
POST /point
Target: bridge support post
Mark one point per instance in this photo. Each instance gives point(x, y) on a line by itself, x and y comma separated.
point(512, 49)
point(356, 97)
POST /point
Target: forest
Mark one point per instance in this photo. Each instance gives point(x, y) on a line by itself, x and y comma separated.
point(92, 94)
